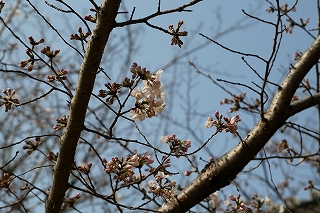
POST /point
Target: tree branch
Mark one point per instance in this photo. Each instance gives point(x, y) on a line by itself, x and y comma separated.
point(79, 103)
point(304, 103)
point(221, 172)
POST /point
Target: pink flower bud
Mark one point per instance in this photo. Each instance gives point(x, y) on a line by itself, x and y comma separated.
point(187, 173)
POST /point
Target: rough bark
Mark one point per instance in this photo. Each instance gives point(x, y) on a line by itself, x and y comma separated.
point(79, 103)
point(221, 172)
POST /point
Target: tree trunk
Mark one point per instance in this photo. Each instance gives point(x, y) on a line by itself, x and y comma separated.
point(104, 24)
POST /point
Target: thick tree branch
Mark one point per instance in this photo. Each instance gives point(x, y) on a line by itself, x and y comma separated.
point(79, 103)
point(304, 103)
point(221, 172)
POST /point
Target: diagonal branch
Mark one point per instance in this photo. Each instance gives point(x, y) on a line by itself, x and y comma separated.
point(221, 172)
point(79, 103)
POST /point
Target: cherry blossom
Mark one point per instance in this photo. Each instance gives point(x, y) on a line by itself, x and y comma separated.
point(223, 123)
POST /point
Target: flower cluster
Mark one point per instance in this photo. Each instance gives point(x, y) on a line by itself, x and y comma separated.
point(177, 146)
point(50, 54)
point(240, 204)
point(90, 18)
point(215, 204)
point(34, 42)
point(6, 180)
point(85, 169)
point(257, 203)
point(283, 145)
point(123, 168)
point(163, 187)
point(283, 9)
point(29, 53)
point(150, 98)
point(52, 156)
point(61, 75)
point(114, 89)
point(30, 60)
point(9, 99)
point(70, 201)
point(62, 122)
point(139, 161)
point(311, 186)
point(237, 99)
point(223, 123)
point(81, 36)
point(297, 56)
point(32, 146)
point(175, 34)
point(46, 50)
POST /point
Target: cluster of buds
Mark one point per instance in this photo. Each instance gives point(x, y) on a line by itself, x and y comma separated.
point(150, 98)
point(61, 75)
point(9, 99)
point(289, 28)
point(283, 9)
point(50, 54)
point(237, 99)
point(163, 187)
point(52, 156)
point(255, 105)
point(223, 123)
point(123, 169)
point(25, 186)
point(90, 18)
point(175, 40)
point(111, 94)
point(257, 203)
point(62, 122)
point(85, 169)
point(138, 71)
point(34, 42)
point(32, 146)
point(81, 36)
point(6, 180)
point(70, 201)
point(310, 186)
point(31, 60)
point(304, 22)
point(177, 146)
point(240, 204)
point(297, 56)
point(283, 145)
